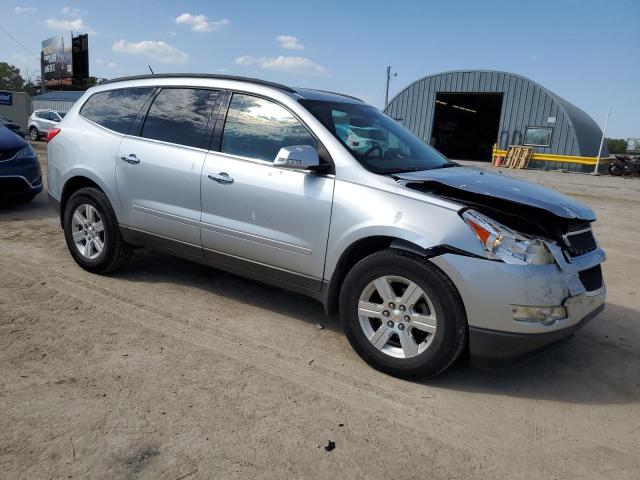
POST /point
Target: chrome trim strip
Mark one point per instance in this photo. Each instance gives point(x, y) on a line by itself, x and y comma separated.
point(24, 179)
point(227, 231)
point(257, 239)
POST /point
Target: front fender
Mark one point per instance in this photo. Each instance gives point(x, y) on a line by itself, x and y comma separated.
point(361, 211)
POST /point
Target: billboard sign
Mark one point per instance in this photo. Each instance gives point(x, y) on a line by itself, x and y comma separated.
point(56, 59)
point(6, 98)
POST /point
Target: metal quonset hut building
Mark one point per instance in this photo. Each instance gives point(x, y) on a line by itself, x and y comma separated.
point(464, 113)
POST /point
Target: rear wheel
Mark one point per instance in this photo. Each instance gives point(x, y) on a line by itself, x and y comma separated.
point(33, 134)
point(402, 315)
point(92, 232)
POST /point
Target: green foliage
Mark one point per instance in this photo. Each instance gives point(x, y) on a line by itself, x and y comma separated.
point(617, 145)
point(10, 78)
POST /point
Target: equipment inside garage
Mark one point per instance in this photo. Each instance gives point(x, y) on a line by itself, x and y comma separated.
point(465, 125)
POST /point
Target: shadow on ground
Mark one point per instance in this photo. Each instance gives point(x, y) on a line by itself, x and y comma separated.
point(597, 366)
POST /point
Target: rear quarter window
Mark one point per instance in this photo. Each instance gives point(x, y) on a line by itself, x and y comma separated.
point(116, 109)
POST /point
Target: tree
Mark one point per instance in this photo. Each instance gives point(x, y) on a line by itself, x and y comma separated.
point(10, 78)
point(617, 145)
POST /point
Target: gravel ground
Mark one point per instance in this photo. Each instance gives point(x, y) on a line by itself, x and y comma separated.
point(171, 370)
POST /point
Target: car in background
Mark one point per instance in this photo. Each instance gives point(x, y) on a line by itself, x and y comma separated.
point(14, 127)
point(20, 175)
point(41, 121)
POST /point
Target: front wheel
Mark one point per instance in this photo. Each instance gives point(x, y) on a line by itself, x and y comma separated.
point(402, 315)
point(33, 134)
point(92, 232)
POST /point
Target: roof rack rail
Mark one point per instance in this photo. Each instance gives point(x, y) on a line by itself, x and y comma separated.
point(203, 75)
point(335, 93)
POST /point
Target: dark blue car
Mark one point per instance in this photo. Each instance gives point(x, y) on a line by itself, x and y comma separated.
point(20, 175)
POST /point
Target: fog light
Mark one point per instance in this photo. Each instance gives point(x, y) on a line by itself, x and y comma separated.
point(543, 315)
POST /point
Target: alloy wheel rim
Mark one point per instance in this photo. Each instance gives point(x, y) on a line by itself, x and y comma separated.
point(34, 134)
point(397, 316)
point(88, 231)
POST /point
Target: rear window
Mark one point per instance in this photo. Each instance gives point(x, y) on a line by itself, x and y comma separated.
point(181, 116)
point(116, 109)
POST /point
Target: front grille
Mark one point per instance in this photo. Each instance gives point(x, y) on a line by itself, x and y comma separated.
point(579, 242)
point(13, 185)
point(8, 154)
point(591, 278)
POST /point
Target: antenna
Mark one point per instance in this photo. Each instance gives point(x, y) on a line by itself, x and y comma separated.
point(151, 70)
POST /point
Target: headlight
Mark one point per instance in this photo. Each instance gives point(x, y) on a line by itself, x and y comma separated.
point(26, 151)
point(502, 243)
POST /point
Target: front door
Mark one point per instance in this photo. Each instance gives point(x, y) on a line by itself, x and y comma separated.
point(158, 172)
point(272, 221)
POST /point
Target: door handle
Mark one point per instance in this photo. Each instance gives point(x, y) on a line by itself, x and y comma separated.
point(221, 177)
point(131, 159)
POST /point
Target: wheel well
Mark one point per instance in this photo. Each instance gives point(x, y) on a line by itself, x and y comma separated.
point(74, 184)
point(356, 252)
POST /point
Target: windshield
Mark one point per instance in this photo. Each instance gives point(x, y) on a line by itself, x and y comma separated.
point(378, 142)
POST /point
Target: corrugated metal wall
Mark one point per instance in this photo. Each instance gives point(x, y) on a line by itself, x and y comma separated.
point(525, 103)
point(59, 105)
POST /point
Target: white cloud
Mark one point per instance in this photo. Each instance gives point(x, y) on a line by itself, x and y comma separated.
point(112, 65)
point(289, 42)
point(200, 23)
point(301, 65)
point(160, 51)
point(73, 12)
point(20, 10)
point(77, 25)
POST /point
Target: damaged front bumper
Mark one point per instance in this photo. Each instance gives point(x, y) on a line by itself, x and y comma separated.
point(490, 290)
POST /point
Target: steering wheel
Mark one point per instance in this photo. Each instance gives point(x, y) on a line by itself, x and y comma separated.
point(371, 149)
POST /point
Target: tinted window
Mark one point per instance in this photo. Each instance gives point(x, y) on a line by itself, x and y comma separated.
point(116, 109)
point(258, 128)
point(180, 115)
point(43, 115)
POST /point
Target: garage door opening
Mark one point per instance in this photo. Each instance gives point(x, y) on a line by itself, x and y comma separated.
point(465, 125)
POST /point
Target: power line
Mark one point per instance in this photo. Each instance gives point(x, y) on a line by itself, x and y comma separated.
point(19, 42)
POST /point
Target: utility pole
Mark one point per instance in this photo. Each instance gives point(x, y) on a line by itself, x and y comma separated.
point(604, 132)
point(386, 92)
point(43, 86)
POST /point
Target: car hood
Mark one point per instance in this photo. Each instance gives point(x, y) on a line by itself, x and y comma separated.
point(10, 141)
point(461, 180)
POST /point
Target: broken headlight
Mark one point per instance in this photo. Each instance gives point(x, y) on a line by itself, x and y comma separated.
point(502, 243)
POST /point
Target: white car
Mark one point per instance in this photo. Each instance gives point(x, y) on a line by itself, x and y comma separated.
point(41, 121)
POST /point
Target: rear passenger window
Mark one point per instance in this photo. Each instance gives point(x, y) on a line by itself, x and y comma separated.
point(258, 128)
point(116, 109)
point(180, 115)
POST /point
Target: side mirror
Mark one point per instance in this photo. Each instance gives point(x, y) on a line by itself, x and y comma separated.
point(298, 157)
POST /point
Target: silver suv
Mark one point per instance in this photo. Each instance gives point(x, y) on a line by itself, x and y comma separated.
point(322, 194)
point(42, 121)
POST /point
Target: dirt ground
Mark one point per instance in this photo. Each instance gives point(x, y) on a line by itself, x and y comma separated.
point(171, 370)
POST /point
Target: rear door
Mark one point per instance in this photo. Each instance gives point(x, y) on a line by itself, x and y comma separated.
point(158, 168)
point(257, 217)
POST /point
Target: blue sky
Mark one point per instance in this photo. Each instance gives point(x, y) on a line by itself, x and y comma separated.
point(587, 51)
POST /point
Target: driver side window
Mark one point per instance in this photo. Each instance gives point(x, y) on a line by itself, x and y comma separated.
point(257, 128)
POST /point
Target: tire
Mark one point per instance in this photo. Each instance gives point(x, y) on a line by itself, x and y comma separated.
point(114, 252)
point(426, 345)
point(33, 134)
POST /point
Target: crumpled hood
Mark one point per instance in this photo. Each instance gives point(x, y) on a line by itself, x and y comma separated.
point(502, 187)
